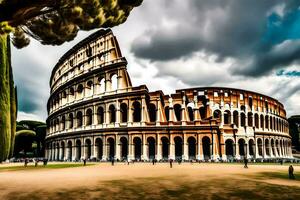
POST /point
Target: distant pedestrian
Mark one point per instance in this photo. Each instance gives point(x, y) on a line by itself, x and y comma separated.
point(84, 162)
point(171, 163)
point(45, 160)
point(245, 162)
point(36, 161)
point(112, 161)
point(153, 161)
point(291, 172)
point(25, 162)
point(281, 161)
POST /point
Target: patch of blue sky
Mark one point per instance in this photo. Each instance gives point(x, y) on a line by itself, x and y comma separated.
point(281, 28)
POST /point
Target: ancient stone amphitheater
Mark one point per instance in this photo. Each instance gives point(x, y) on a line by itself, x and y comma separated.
point(96, 113)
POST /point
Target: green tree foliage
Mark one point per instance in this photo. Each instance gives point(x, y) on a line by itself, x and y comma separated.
point(294, 125)
point(24, 140)
point(40, 139)
point(50, 22)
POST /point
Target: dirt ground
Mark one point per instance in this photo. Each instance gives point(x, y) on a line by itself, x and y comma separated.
point(53, 180)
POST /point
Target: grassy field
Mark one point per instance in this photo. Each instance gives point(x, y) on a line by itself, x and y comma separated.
point(144, 181)
point(31, 166)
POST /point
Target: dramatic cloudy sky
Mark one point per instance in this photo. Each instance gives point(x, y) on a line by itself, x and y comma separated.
point(172, 44)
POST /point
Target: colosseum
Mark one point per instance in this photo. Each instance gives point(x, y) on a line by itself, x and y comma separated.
point(95, 113)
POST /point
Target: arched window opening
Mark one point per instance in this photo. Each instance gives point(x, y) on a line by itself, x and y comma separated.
point(227, 117)
point(177, 110)
point(236, 118)
point(124, 148)
point(250, 119)
point(243, 108)
point(88, 149)
point(217, 114)
point(192, 148)
point(79, 119)
point(152, 112)
point(229, 149)
point(112, 113)
point(256, 119)
point(151, 145)
point(101, 85)
point(80, 88)
point(137, 148)
point(250, 102)
point(89, 117)
point(124, 112)
point(167, 113)
point(63, 123)
point(191, 113)
point(243, 119)
point(136, 111)
point(260, 147)
point(165, 148)
point(99, 148)
point(114, 82)
point(242, 146)
point(71, 120)
point(202, 111)
point(100, 115)
point(178, 147)
point(206, 147)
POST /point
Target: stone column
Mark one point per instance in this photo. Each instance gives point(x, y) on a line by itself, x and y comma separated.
point(199, 148)
point(158, 148)
point(171, 149)
point(104, 148)
point(185, 148)
point(144, 148)
point(118, 149)
point(118, 114)
point(237, 150)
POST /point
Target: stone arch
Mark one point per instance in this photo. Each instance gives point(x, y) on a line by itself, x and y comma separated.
point(262, 121)
point(63, 123)
point(112, 113)
point(69, 150)
point(71, 119)
point(202, 111)
point(89, 117)
point(165, 147)
point(229, 148)
point(100, 115)
point(192, 148)
point(167, 113)
point(177, 110)
point(78, 149)
point(243, 119)
point(137, 111)
point(152, 112)
point(62, 154)
point(267, 147)
point(79, 118)
point(178, 142)
point(99, 148)
point(101, 84)
point(206, 147)
point(124, 148)
point(217, 114)
point(151, 147)
point(267, 122)
point(111, 148)
point(114, 81)
point(137, 148)
point(227, 117)
point(190, 107)
point(236, 118)
point(256, 120)
point(124, 112)
point(89, 88)
point(88, 149)
point(250, 119)
point(260, 146)
point(242, 145)
point(251, 147)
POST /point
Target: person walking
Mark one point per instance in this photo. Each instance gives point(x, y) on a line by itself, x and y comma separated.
point(84, 162)
point(291, 172)
point(25, 162)
point(112, 161)
point(153, 161)
point(171, 163)
point(245, 162)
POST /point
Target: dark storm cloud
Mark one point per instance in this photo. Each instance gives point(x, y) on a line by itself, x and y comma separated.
point(228, 29)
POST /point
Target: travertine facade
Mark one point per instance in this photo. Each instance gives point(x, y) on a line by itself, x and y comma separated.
point(96, 113)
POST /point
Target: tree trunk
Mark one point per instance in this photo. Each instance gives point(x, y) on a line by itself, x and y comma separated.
point(5, 111)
